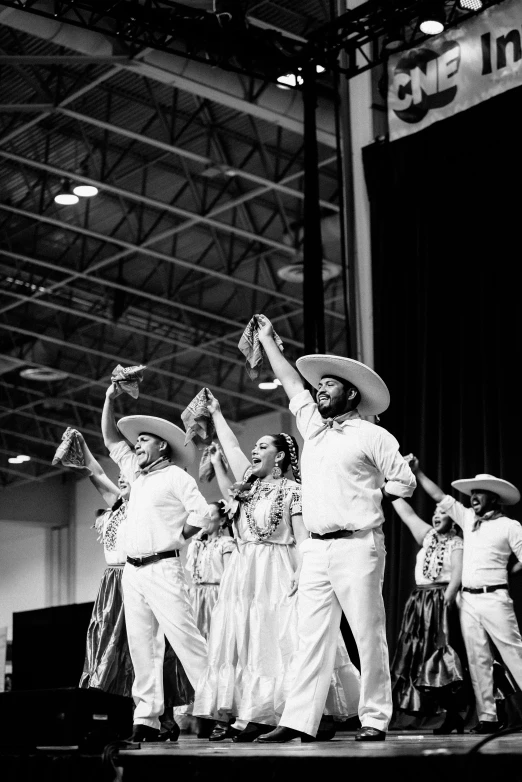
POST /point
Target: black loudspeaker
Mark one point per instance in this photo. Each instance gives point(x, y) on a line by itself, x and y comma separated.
point(49, 646)
point(68, 717)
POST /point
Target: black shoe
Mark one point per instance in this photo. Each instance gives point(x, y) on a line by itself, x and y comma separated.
point(252, 731)
point(205, 728)
point(486, 727)
point(170, 734)
point(370, 734)
point(281, 735)
point(222, 732)
point(142, 733)
point(453, 721)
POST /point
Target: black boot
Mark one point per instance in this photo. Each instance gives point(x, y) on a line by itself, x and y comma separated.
point(142, 733)
point(252, 731)
point(486, 727)
point(452, 721)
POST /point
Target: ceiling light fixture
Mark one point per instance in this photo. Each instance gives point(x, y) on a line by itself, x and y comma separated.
point(23, 458)
point(470, 5)
point(432, 19)
point(42, 374)
point(66, 197)
point(393, 40)
point(85, 191)
point(268, 385)
point(288, 80)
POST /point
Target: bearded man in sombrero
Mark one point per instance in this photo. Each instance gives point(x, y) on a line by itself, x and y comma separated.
point(348, 466)
point(165, 509)
point(486, 609)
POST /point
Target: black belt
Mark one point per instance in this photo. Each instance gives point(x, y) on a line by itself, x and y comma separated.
point(339, 533)
point(139, 561)
point(481, 590)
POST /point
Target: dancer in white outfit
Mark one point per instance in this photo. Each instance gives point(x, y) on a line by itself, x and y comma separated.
point(165, 510)
point(486, 609)
point(345, 464)
point(254, 636)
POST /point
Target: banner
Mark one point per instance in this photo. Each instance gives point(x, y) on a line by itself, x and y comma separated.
point(455, 70)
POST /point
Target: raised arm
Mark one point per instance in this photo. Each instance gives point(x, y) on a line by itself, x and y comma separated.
point(101, 482)
point(418, 528)
point(222, 478)
point(290, 378)
point(236, 458)
point(110, 432)
point(429, 486)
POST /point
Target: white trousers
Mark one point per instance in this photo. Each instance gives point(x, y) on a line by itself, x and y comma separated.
point(157, 603)
point(344, 574)
point(484, 617)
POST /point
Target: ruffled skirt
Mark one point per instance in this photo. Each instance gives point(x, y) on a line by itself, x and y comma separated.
point(253, 643)
point(108, 664)
point(204, 597)
point(427, 658)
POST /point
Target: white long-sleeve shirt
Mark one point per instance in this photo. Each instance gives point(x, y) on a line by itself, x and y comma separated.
point(488, 548)
point(344, 469)
point(160, 504)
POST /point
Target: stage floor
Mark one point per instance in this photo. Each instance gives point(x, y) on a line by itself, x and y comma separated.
point(404, 756)
point(343, 745)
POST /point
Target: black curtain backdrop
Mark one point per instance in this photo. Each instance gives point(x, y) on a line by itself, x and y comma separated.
point(446, 216)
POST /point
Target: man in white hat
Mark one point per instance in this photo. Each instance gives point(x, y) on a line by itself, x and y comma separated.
point(348, 465)
point(165, 509)
point(486, 609)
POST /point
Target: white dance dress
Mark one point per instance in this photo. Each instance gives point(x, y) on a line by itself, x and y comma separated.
point(253, 637)
point(206, 563)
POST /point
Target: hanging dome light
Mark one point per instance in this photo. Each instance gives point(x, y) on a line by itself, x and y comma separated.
point(85, 191)
point(66, 197)
point(432, 19)
point(470, 5)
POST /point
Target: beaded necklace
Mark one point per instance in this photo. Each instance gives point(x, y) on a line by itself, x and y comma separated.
point(111, 520)
point(275, 515)
point(434, 556)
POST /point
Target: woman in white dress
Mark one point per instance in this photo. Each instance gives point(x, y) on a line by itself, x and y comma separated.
point(207, 556)
point(253, 635)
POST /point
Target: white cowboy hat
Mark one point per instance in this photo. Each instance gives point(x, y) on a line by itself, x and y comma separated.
point(509, 494)
point(375, 397)
point(131, 426)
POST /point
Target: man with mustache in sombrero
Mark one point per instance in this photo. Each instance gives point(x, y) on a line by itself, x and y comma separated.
point(165, 509)
point(348, 466)
point(486, 609)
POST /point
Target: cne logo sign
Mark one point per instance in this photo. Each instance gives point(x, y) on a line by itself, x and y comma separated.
point(424, 79)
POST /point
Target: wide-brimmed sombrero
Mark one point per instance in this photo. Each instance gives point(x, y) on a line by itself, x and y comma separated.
point(508, 493)
point(131, 426)
point(375, 397)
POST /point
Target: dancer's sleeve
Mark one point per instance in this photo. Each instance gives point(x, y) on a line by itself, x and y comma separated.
point(515, 539)
point(186, 490)
point(126, 459)
point(307, 416)
point(400, 481)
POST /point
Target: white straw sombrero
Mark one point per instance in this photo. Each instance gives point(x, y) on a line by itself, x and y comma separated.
point(131, 426)
point(375, 397)
point(508, 493)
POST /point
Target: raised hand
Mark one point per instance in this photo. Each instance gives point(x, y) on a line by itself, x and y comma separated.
point(213, 405)
point(413, 462)
point(215, 454)
point(113, 391)
point(265, 328)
